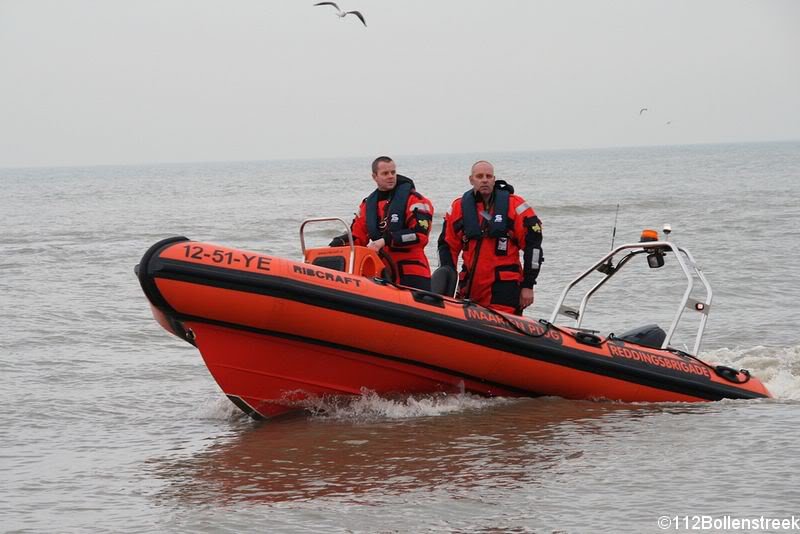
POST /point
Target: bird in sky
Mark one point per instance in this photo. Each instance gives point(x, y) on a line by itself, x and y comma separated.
point(343, 14)
point(642, 110)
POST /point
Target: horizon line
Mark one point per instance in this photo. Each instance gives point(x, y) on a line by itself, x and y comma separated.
point(311, 158)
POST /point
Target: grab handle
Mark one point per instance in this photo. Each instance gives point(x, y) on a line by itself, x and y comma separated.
point(328, 219)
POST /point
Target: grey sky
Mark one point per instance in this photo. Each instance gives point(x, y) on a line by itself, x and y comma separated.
point(111, 81)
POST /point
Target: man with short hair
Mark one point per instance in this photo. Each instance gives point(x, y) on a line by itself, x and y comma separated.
point(397, 219)
point(490, 225)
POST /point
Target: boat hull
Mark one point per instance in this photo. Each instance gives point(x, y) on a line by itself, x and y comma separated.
point(274, 333)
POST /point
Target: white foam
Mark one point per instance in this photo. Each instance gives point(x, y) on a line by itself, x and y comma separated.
point(370, 405)
point(777, 367)
point(219, 407)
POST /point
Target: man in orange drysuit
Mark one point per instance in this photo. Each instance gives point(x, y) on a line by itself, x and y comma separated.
point(489, 224)
point(396, 219)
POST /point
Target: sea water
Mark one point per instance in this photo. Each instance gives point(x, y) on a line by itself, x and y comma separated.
point(111, 424)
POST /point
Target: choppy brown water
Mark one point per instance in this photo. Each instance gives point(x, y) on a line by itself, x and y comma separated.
point(108, 423)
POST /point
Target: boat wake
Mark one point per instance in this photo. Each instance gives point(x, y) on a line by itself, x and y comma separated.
point(777, 367)
point(370, 406)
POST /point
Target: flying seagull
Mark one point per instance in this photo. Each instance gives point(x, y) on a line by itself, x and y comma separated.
point(642, 110)
point(343, 14)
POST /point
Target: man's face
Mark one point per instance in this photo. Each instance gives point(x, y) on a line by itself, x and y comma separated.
point(386, 177)
point(482, 178)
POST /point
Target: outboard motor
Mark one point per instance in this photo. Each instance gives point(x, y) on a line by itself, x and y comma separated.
point(650, 335)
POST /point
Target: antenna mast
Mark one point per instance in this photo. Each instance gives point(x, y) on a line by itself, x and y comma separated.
point(614, 231)
point(608, 268)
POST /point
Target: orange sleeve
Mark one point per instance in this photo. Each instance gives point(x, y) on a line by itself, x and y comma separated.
point(359, 226)
point(521, 212)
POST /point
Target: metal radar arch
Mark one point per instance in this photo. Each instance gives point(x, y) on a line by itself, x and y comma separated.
point(655, 250)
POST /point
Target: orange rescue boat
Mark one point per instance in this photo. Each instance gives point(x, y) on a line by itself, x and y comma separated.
point(274, 332)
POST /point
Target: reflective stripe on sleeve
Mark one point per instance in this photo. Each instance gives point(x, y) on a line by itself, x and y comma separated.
point(537, 253)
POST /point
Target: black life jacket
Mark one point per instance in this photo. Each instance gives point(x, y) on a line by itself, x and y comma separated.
point(498, 226)
point(395, 212)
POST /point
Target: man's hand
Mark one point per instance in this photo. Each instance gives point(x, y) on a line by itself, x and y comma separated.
point(525, 297)
point(339, 241)
point(377, 245)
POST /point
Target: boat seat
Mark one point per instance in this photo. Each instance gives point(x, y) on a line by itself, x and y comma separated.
point(443, 281)
point(367, 263)
point(650, 335)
